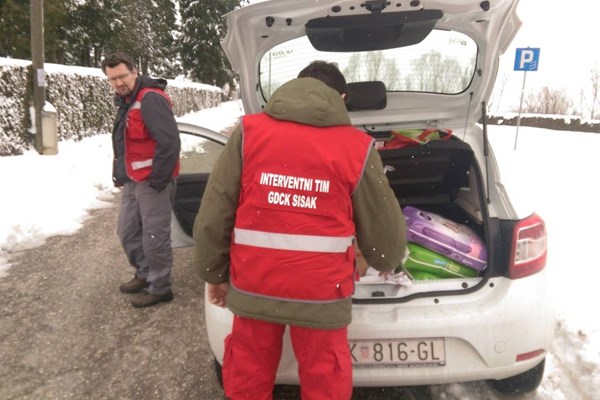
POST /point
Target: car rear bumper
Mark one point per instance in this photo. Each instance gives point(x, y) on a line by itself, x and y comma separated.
point(484, 333)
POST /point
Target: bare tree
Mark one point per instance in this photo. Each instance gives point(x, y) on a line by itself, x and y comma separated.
point(547, 101)
point(582, 101)
point(370, 67)
point(434, 73)
point(589, 98)
point(497, 99)
point(595, 81)
point(427, 67)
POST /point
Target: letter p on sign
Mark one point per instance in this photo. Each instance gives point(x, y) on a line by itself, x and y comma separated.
point(527, 59)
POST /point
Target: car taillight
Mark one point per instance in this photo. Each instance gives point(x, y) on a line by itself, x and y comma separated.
point(529, 248)
point(530, 355)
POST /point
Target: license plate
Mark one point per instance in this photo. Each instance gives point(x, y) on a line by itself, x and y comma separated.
point(425, 352)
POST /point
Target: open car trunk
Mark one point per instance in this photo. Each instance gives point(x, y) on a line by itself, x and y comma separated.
point(435, 65)
point(441, 178)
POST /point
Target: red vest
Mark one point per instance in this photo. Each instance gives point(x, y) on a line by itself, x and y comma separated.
point(294, 224)
point(139, 145)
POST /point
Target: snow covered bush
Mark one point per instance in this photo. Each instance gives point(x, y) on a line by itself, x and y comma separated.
point(13, 96)
point(82, 98)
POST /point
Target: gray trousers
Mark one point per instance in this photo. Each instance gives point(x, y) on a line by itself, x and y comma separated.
point(144, 228)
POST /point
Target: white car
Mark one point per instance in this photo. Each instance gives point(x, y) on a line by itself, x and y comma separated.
point(412, 65)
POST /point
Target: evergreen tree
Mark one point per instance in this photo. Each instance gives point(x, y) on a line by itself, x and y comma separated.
point(166, 61)
point(56, 15)
point(89, 29)
point(150, 35)
point(144, 29)
point(14, 29)
point(82, 32)
point(203, 27)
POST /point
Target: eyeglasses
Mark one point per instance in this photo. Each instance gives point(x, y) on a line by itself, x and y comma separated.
point(119, 77)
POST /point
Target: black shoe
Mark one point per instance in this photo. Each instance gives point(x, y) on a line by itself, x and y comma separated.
point(135, 285)
point(147, 300)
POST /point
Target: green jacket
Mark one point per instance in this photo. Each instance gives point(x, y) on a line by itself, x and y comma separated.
point(380, 225)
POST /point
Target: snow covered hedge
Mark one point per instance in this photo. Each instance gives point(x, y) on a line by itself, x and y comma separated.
point(82, 98)
point(555, 122)
point(13, 99)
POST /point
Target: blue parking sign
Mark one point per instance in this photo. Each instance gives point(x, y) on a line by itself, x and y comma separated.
point(527, 59)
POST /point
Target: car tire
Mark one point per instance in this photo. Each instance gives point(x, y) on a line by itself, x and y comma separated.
point(219, 372)
point(526, 382)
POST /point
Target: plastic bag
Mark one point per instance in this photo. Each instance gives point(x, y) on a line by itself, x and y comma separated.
point(415, 137)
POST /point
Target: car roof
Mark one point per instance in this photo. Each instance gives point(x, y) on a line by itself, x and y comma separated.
point(255, 29)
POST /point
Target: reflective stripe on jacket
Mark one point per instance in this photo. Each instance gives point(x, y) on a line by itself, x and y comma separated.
point(139, 146)
point(294, 225)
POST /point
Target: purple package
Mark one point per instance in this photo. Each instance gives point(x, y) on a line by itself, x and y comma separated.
point(453, 240)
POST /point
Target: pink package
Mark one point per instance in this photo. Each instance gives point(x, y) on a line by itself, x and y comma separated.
point(453, 240)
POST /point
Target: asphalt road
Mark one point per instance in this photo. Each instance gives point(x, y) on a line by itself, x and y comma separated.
point(66, 332)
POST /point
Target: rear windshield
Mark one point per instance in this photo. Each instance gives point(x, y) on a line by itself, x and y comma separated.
point(442, 63)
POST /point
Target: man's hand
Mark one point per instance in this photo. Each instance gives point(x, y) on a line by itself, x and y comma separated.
point(217, 293)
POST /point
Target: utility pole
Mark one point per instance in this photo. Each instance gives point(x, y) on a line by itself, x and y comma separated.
point(37, 60)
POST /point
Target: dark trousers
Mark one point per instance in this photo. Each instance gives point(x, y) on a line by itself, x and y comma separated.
point(144, 228)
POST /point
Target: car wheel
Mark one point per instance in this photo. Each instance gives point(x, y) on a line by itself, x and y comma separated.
point(219, 372)
point(526, 382)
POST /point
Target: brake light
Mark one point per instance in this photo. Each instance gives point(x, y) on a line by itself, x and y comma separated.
point(529, 247)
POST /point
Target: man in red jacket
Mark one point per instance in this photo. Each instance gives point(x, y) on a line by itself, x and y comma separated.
point(292, 190)
point(146, 148)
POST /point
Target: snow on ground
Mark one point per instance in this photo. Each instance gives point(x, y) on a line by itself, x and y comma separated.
point(552, 170)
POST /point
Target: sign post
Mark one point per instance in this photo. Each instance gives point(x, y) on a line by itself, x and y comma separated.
point(526, 59)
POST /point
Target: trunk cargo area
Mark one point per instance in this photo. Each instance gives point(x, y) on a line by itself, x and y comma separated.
point(440, 178)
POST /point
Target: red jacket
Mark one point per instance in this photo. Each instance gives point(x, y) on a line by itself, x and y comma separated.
point(139, 145)
point(294, 225)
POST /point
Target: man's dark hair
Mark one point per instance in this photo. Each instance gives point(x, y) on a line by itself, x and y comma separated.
point(329, 74)
point(114, 59)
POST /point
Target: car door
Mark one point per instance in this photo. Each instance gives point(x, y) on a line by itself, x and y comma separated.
point(200, 148)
